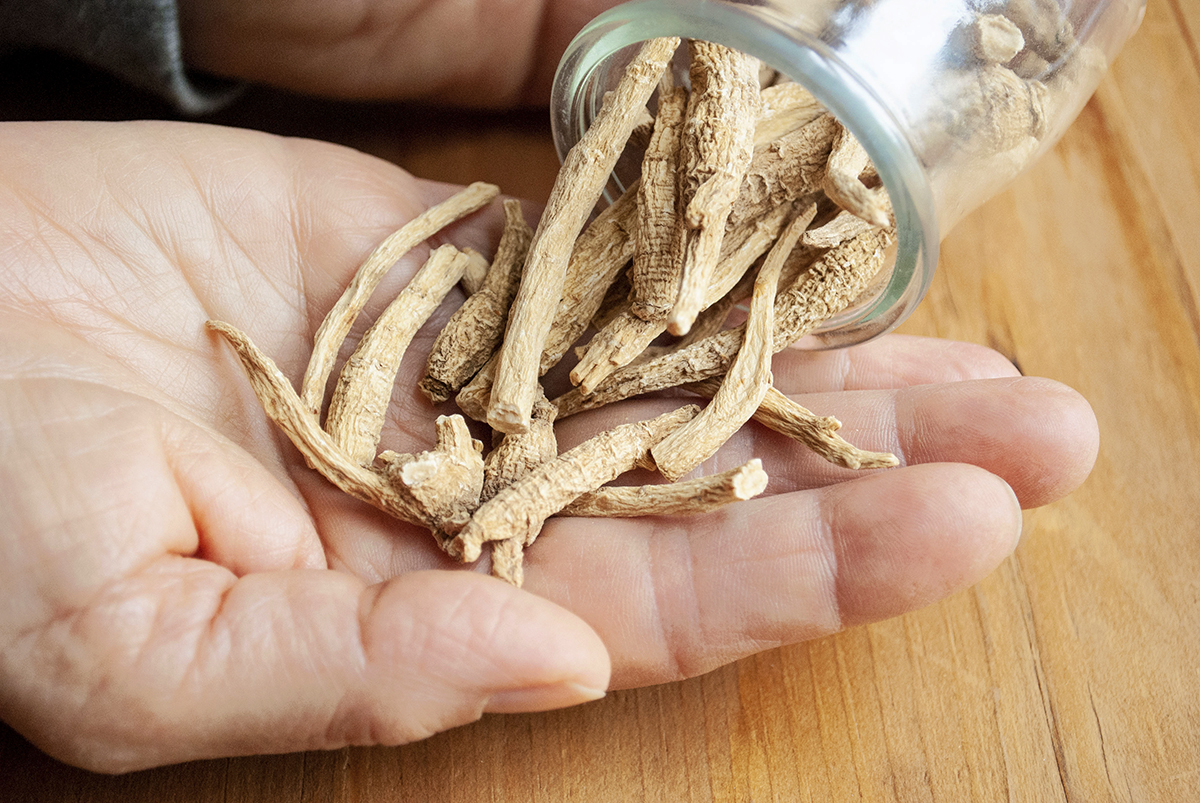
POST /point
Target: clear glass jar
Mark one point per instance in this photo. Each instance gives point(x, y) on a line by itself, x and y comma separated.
point(909, 78)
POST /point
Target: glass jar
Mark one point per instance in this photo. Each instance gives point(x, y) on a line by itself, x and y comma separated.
point(945, 123)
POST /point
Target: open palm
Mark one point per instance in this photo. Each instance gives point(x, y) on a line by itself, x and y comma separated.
point(178, 584)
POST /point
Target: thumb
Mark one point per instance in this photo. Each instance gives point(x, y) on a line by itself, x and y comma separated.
point(186, 661)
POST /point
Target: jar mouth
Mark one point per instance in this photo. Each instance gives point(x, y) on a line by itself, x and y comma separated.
point(609, 41)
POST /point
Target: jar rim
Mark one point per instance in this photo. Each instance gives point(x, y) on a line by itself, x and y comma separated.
point(759, 32)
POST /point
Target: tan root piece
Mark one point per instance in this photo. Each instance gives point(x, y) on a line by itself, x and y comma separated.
point(605, 247)
point(447, 480)
point(337, 323)
point(626, 335)
point(819, 433)
point(786, 169)
point(475, 329)
point(748, 378)
point(364, 389)
point(717, 146)
point(712, 320)
point(845, 226)
point(643, 129)
point(701, 495)
point(578, 186)
point(283, 406)
point(785, 108)
point(519, 510)
point(1000, 111)
point(475, 273)
point(995, 39)
point(839, 277)
point(846, 163)
point(514, 457)
point(658, 243)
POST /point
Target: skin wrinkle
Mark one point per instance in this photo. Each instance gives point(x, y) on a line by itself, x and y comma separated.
point(678, 651)
point(818, 566)
point(69, 321)
point(199, 457)
point(217, 212)
point(351, 704)
point(827, 538)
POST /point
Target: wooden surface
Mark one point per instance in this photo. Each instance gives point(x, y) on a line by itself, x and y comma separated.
point(1070, 674)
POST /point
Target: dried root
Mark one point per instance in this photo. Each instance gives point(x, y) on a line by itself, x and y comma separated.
point(446, 481)
point(578, 186)
point(337, 323)
point(732, 180)
point(658, 245)
point(847, 160)
point(717, 144)
point(473, 332)
point(749, 375)
point(283, 406)
point(690, 497)
point(519, 510)
point(364, 389)
point(516, 456)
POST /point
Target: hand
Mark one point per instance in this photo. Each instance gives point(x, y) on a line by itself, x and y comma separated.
point(179, 585)
point(478, 53)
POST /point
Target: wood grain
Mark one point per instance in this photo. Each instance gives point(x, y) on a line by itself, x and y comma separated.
point(1067, 675)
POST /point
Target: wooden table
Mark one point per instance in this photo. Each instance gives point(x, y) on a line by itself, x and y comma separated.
point(1068, 674)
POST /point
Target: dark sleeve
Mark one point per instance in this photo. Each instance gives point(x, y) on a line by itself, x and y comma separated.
point(138, 40)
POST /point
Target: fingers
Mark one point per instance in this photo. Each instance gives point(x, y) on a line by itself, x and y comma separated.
point(894, 361)
point(699, 593)
point(829, 548)
point(1039, 436)
point(184, 661)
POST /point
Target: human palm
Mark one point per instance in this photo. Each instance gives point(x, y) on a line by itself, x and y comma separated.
point(178, 584)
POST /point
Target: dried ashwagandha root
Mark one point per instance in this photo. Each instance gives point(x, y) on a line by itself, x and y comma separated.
point(847, 161)
point(448, 480)
point(475, 272)
point(784, 108)
point(995, 39)
point(364, 389)
point(519, 510)
point(717, 146)
point(514, 457)
point(337, 323)
point(583, 175)
point(786, 169)
point(748, 377)
point(658, 243)
point(839, 277)
point(473, 332)
point(600, 253)
point(732, 181)
point(845, 226)
point(690, 497)
point(284, 407)
point(819, 433)
point(626, 335)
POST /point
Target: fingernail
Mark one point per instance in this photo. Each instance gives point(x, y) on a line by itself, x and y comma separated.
point(541, 698)
point(1020, 518)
